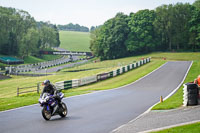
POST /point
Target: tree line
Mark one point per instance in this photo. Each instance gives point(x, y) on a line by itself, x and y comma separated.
point(21, 35)
point(73, 27)
point(173, 27)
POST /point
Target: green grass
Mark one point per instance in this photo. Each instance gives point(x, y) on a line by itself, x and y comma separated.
point(190, 128)
point(8, 102)
point(32, 59)
point(9, 86)
point(75, 41)
point(185, 56)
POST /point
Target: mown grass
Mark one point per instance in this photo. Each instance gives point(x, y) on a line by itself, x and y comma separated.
point(190, 128)
point(75, 41)
point(185, 56)
point(9, 86)
point(14, 101)
point(32, 59)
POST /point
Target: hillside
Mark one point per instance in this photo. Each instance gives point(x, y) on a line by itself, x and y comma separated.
point(75, 41)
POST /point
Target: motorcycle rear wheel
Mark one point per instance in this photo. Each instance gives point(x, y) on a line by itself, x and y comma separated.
point(64, 110)
point(46, 114)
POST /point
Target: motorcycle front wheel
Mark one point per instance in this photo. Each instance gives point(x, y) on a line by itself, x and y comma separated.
point(63, 111)
point(46, 114)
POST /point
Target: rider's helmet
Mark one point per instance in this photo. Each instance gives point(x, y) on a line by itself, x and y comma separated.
point(46, 82)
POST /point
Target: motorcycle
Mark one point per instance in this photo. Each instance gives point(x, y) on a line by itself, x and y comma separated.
point(51, 107)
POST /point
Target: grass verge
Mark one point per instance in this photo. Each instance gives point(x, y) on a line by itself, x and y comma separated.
point(190, 128)
point(8, 87)
point(133, 75)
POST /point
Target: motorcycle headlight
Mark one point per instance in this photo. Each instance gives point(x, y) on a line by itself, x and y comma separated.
point(46, 99)
point(40, 101)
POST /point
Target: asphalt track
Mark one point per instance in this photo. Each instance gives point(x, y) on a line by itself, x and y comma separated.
point(99, 112)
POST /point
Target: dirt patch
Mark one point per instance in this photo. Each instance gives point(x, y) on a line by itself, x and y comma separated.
point(4, 77)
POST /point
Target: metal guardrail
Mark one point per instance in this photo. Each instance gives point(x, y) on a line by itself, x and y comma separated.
point(64, 85)
point(87, 80)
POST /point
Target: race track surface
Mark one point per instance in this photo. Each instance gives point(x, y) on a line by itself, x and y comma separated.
point(99, 112)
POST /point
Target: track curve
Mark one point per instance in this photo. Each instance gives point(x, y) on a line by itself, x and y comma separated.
point(99, 112)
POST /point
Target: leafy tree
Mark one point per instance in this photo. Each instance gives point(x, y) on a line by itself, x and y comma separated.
point(197, 4)
point(163, 25)
point(47, 37)
point(73, 27)
point(108, 41)
point(181, 16)
point(20, 35)
point(195, 26)
point(172, 26)
point(57, 44)
point(92, 28)
point(141, 36)
point(29, 43)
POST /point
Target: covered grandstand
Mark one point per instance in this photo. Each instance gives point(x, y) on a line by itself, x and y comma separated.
point(11, 60)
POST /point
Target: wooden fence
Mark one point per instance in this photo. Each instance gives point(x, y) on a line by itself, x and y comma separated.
point(27, 89)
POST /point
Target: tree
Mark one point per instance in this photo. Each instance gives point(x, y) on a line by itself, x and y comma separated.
point(196, 4)
point(20, 35)
point(47, 37)
point(57, 36)
point(172, 26)
point(92, 28)
point(29, 43)
point(141, 36)
point(164, 25)
point(181, 16)
point(195, 26)
point(73, 27)
point(108, 41)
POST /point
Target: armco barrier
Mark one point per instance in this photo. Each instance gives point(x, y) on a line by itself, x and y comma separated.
point(139, 64)
point(87, 80)
point(128, 68)
point(64, 84)
point(145, 61)
point(123, 69)
point(132, 65)
point(114, 73)
point(111, 74)
point(103, 76)
point(118, 71)
point(136, 65)
point(75, 83)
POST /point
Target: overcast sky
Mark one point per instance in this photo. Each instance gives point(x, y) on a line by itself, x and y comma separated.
point(84, 12)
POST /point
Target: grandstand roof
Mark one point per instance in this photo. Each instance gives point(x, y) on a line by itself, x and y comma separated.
point(10, 60)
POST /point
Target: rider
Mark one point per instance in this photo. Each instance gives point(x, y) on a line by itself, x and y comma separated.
point(51, 89)
point(197, 81)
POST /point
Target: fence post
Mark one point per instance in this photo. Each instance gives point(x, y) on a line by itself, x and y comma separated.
point(18, 91)
point(38, 87)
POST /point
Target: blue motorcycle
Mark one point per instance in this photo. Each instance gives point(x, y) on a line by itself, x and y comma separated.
point(51, 107)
